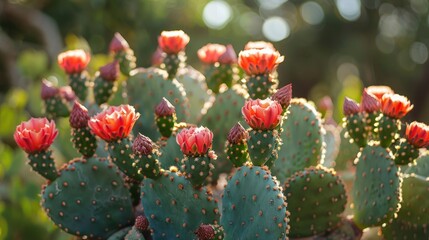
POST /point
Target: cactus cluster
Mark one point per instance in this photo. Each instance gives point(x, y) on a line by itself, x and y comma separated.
point(179, 132)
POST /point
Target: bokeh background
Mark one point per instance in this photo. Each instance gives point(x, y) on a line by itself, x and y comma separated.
point(331, 47)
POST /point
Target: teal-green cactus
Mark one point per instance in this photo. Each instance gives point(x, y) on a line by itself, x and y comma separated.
point(43, 163)
point(316, 199)
point(122, 155)
point(89, 198)
point(79, 84)
point(253, 206)
point(388, 128)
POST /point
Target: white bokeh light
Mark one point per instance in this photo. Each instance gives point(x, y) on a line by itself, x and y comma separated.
point(275, 29)
point(312, 13)
point(349, 9)
point(217, 14)
point(419, 52)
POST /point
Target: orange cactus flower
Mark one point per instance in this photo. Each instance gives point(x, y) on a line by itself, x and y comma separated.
point(395, 105)
point(262, 114)
point(172, 42)
point(417, 134)
point(259, 61)
point(73, 61)
point(210, 53)
point(195, 141)
point(35, 135)
point(116, 122)
point(378, 91)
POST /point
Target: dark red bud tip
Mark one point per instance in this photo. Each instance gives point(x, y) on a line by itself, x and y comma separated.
point(142, 145)
point(229, 56)
point(350, 107)
point(325, 104)
point(370, 103)
point(205, 232)
point(237, 134)
point(48, 90)
point(164, 108)
point(79, 116)
point(142, 224)
point(283, 95)
point(118, 43)
point(67, 93)
point(110, 71)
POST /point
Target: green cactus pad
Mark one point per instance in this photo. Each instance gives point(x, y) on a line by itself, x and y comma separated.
point(356, 129)
point(126, 60)
point(196, 90)
point(237, 153)
point(56, 107)
point(78, 82)
point(316, 198)
point(149, 165)
point(197, 169)
point(371, 124)
point(134, 234)
point(332, 140)
point(261, 86)
point(146, 88)
point(405, 153)
point(119, 235)
point(346, 231)
point(347, 154)
point(84, 141)
point(415, 200)
point(253, 206)
point(172, 63)
point(387, 130)
point(218, 74)
point(122, 155)
point(171, 155)
point(399, 230)
point(166, 125)
point(174, 208)
point(262, 146)
point(376, 191)
point(302, 139)
point(43, 164)
point(89, 198)
point(103, 90)
point(420, 167)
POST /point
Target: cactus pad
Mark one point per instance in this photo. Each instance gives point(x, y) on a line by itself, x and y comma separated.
point(89, 198)
point(399, 230)
point(78, 82)
point(84, 141)
point(376, 191)
point(387, 130)
point(316, 197)
point(103, 90)
point(302, 139)
point(253, 206)
point(356, 128)
point(56, 107)
point(262, 146)
point(174, 208)
point(122, 155)
point(197, 169)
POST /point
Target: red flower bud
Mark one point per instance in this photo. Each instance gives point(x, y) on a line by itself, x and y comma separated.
point(195, 141)
point(79, 116)
point(283, 95)
point(350, 107)
point(237, 134)
point(48, 90)
point(118, 43)
point(142, 224)
point(67, 93)
point(110, 71)
point(395, 105)
point(142, 145)
point(417, 134)
point(262, 114)
point(164, 108)
point(229, 56)
point(35, 135)
point(157, 57)
point(205, 232)
point(73, 61)
point(114, 123)
point(173, 42)
point(369, 102)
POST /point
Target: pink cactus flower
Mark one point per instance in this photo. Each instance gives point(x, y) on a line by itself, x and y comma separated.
point(195, 141)
point(262, 114)
point(35, 135)
point(210, 53)
point(417, 134)
point(173, 42)
point(116, 122)
point(259, 61)
point(395, 106)
point(74, 61)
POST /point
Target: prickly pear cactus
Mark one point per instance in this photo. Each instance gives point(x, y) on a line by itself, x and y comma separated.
point(316, 198)
point(146, 88)
point(89, 198)
point(171, 154)
point(253, 206)
point(302, 139)
point(174, 208)
point(399, 230)
point(376, 191)
point(347, 154)
point(332, 140)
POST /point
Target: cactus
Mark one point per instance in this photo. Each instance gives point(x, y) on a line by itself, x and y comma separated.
point(89, 198)
point(316, 198)
point(376, 191)
point(332, 142)
point(302, 139)
point(174, 208)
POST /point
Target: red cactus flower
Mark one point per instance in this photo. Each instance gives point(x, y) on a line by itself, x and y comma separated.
point(73, 61)
point(195, 140)
point(350, 107)
point(229, 56)
point(110, 71)
point(118, 43)
point(378, 91)
point(259, 61)
point(210, 53)
point(172, 42)
point(259, 45)
point(395, 105)
point(262, 114)
point(369, 102)
point(35, 135)
point(417, 134)
point(114, 123)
